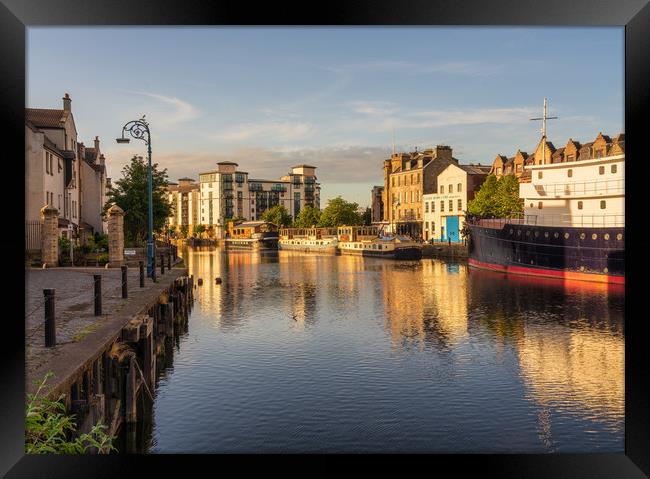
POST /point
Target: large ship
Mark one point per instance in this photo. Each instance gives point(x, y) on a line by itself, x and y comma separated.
point(368, 241)
point(312, 240)
point(573, 224)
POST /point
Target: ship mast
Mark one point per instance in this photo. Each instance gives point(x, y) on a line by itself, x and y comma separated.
point(544, 118)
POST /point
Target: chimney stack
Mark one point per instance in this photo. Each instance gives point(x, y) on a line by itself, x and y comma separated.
point(102, 160)
point(443, 151)
point(67, 102)
point(96, 144)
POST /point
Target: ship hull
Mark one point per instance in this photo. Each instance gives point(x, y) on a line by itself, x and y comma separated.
point(308, 246)
point(266, 243)
point(406, 253)
point(568, 253)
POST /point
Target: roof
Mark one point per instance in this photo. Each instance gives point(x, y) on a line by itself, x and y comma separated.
point(252, 223)
point(304, 166)
point(90, 154)
point(227, 163)
point(45, 117)
point(475, 169)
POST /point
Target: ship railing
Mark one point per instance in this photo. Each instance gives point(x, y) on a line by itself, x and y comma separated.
point(585, 221)
point(585, 188)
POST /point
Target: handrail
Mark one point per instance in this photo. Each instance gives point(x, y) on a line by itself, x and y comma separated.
point(593, 221)
point(581, 188)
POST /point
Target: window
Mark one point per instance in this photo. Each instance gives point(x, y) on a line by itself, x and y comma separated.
point(579, 205)
point(411, 178)
point(519, 168)
point(603, 204)
point(613, 168)
point(498, 170)
point(540, 204)
point(451, 188)
point(601, 170)
point(460, 205)
point(569, 173)
point(393, 181)
point(442, 189)
point(451, 205)
point(599, 154)
point(442, 206)
point(433, 207)
point(459, 187)
point(47, 163)
point(399, 181)
point(570, 158)
point(426, 206)
point(418, 178)
point(539, 175)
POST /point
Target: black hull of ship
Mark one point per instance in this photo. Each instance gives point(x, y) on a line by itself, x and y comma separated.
point(569, 253)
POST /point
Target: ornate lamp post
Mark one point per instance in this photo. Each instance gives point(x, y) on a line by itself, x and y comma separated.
point(139, 129)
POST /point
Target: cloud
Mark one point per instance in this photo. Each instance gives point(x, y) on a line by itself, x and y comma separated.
point(377, 108)
point(262, 131)
point(173, 112)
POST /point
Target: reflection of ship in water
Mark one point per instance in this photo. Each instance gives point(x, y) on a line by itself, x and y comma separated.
point(571, 356)
point(437, 315)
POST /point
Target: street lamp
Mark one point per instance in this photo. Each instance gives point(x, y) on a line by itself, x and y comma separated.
point(139, 129)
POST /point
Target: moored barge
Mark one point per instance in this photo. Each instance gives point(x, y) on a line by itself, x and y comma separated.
point(311, 240)
point(252, 235)
point(367, 241)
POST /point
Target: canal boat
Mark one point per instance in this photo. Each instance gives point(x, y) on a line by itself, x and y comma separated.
point(369, 241)
point(252, 234)
point(311, 240)
point(583, 236)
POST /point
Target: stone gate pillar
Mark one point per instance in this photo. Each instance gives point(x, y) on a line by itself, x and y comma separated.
point(115, 237)
point(50, 235)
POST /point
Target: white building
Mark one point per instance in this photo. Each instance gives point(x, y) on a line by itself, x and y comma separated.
point(444, 211)
point(227, 193)
point(184, 198)
point(584, 187)
point(52, 166)
point(92, 188)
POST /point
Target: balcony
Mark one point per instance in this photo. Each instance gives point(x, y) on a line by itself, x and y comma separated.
point(279, 188)
point(573, 190)
point(255, 186)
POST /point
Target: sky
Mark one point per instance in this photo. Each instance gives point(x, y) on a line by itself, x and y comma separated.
point(334, 98)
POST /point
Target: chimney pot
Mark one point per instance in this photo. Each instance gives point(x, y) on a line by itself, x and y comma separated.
point(67, 101)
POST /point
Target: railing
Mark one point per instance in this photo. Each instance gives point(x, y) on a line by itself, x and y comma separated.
point(278, 188)
point(586, 188)
point(33, 235)
point(255, 187)
point(587, 221)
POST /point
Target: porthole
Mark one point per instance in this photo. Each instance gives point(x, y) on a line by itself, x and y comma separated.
point(619, 237)
point(582, 268)
point(556, 234)
point(536, 234)
point(582, 236)
point(511, 230)
point(594, 236)
point(606, 236)
point(527, 233)
point(566, 235)
point(546, 234)
point(605, 270)
point(518, 232)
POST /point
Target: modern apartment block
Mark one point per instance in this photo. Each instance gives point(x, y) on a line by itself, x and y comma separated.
point(184, 198)
point(228, 192)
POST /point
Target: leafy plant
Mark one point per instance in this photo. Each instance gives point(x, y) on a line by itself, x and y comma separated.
point(340, 212)
point(278, 215)
point(49, 430)
point(307, 217)
point(497, 198)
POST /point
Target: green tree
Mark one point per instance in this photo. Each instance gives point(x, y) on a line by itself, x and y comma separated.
point(184, 229)
point(307, 217)
point(497, 198)
point(199, 229)
point(131, 194)
point(277, 215)
point(367, 216)
point(340, 212)
point(484, 202)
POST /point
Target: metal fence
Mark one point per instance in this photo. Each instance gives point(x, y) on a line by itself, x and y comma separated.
point(592, 221)
point(32, 235)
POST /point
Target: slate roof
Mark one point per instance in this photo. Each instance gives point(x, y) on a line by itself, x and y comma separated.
point(45, 117)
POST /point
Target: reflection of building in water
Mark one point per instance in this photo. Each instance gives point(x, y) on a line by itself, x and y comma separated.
point(574, 368)
point(205, 263)
point(427, 303)
point(299, 291)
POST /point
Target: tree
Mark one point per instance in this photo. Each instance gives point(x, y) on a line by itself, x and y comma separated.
point(340, 212)
point(199, 229)
point(307, 217)
point(131, 194)
point(184, 229)
point(278, 215)
point(367, 216)
point(497, 198)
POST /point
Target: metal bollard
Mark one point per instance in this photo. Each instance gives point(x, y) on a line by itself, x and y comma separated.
point(125, 291)
point(169, 259)
point(153, 268)
point(50, 323)
point(162, 263)
point(98, 294)
point(141, 263)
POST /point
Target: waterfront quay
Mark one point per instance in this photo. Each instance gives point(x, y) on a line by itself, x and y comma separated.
point(103, 362)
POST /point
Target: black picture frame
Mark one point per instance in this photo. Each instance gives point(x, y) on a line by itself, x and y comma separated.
point(634, 15)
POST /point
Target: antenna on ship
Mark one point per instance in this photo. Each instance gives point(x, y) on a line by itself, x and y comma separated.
point(543, 130)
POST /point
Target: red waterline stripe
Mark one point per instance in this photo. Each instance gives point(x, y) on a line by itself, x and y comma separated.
point(549, 273)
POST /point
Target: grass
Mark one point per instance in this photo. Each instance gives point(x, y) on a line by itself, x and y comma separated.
point(91, 328)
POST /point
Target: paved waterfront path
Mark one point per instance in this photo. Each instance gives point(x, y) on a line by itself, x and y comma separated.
point(74, 307)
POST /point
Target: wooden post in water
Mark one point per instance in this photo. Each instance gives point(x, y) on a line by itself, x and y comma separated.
point(98, 294)
point(131, 392)
point(162, 263)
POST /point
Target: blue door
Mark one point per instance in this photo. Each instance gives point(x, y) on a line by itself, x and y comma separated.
point(452, 229)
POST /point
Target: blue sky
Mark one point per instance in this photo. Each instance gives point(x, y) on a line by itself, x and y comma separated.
point(270, 98)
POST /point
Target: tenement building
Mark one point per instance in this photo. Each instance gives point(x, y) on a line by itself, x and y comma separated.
point(62, 173)
point(444, 210)
point(184, 199)
point(407, 177)
point(228, 192)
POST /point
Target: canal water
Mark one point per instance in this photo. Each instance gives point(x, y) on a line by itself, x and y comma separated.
point(296, 352)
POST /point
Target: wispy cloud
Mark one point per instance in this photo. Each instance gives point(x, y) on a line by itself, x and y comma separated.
point(174, 110)
point(264, 131)
point(377, 108)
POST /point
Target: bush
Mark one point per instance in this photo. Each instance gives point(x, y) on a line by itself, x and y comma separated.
point(102, 258)
point(48, 429)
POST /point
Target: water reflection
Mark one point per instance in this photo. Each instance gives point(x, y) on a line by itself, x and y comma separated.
point(298, 352)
